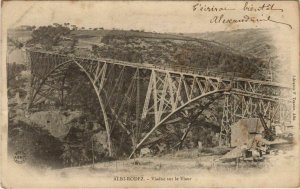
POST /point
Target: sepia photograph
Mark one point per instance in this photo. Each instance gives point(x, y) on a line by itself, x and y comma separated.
point(149, 94)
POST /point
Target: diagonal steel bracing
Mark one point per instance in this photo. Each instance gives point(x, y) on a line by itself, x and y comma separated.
point(134, 96)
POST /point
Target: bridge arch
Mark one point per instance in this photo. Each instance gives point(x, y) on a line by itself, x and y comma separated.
point(170, 89)
point(172, 113)
point(88, 75)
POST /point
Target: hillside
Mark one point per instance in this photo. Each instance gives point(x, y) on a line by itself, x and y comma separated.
point(252, 42)
point(217, 51)
point(179, 50)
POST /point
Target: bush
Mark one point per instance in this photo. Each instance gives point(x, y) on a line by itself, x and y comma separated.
point(49, 36)
point(42, 149)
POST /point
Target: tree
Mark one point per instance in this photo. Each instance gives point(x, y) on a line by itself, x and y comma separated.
point(56, 24)
point(95, 49)
point(49, 36)
point(74, 27)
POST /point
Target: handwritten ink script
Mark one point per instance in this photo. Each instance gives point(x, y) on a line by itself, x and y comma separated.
point(262, 13)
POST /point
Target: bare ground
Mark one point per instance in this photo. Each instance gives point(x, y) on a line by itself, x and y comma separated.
point(171, 164)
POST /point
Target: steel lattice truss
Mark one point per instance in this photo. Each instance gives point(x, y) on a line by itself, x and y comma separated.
point(131, 94)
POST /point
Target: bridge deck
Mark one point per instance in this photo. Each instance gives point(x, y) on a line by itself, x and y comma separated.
point(177, 69)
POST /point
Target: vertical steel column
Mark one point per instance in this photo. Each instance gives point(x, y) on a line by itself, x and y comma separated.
point(226, 121)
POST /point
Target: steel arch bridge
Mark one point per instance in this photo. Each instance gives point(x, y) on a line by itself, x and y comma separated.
point(130, 93)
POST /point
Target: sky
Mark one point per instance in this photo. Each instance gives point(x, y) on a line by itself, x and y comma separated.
point(176, 17)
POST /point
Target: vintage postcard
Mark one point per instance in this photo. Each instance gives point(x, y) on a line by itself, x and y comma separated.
point(149, 94)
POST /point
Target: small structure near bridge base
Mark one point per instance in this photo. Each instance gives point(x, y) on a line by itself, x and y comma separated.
point(243, 131)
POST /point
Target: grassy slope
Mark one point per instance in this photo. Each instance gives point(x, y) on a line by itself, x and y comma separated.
point(157, 48)
point(225, 49)
point(255, 42)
